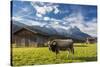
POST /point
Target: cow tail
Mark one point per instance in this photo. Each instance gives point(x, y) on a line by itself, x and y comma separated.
point(72, 50)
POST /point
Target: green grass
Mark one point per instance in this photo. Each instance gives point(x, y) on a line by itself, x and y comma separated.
point(42, 55)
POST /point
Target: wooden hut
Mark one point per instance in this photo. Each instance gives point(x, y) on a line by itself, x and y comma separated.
point(27, 38)
point(91, 40)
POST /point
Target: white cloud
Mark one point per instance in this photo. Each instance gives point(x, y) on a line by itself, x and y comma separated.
point(77, 19)
point(15, 18)
point(45, 8)
point(46, 18)
point(40, 10)
point(91, 28)
point(22, 20)
point(39, 15)
point(48, 8)
point(56, 10)
point(25, 9)
point(55, 23)
point(28, 21)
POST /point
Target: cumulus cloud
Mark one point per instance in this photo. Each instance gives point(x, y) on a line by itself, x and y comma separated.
point(16, 18)
point(56, 10)
point(55, 23)
point(46, 18)
point(91, 27)
point(28, 21)
point(22, 20)
point(43, 9)
point(40, 10)
point(77, 19)
point(39, 15)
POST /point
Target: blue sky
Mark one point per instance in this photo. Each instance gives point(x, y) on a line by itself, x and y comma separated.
point(42, 13)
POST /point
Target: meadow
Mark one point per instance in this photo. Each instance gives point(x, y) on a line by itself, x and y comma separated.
point(42, 55)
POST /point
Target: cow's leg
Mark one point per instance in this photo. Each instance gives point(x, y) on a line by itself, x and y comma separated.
point(68, 52)
point(57, 51)
point(56, 55)
point(72, 50)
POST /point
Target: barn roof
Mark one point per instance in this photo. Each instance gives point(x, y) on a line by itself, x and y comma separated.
point(31, 30)
point(26, 29)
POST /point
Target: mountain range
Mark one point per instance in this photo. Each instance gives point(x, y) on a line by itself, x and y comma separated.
point(51, 30)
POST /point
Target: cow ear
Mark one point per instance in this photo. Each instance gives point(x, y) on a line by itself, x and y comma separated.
point(54, 43)
point(48, 42)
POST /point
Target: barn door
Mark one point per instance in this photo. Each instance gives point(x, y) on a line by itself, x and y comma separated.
point(26, 42)
point(23, 42)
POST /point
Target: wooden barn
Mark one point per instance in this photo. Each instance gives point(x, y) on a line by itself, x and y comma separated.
point(28, 38)
point(91, 40)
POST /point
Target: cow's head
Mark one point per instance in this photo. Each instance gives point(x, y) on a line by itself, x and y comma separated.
point(51, 45)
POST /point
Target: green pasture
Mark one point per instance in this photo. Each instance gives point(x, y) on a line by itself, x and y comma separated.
point(42, 55)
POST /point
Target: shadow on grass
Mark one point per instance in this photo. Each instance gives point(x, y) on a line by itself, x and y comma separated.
point(86, 58)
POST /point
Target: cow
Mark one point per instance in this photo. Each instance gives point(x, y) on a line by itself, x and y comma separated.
point(57, 45)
